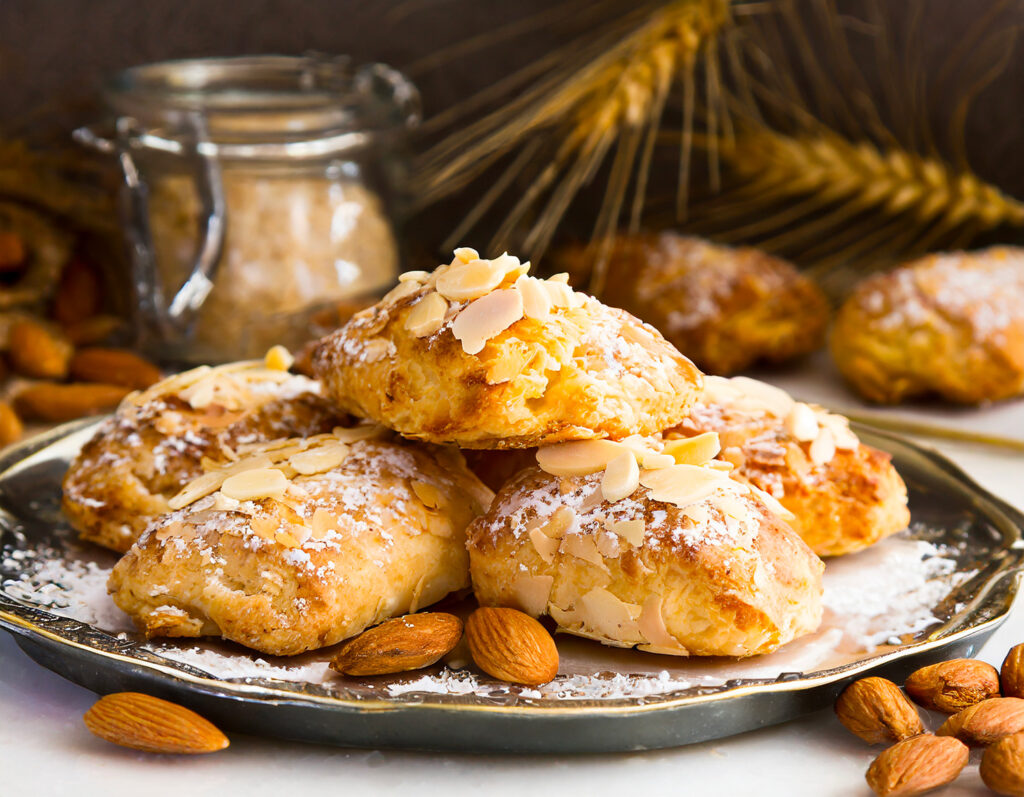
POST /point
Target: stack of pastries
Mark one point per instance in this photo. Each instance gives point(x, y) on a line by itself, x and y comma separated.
point(637, 503)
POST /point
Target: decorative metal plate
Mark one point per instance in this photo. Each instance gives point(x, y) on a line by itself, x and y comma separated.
point(983, 535)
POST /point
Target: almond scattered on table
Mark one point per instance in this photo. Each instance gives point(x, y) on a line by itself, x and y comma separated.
point(952, 686)
point(1011, 674)
point(511, 646)
point(47, 401)
point(917, 765)
point(986, 722)
point(877, 711)
point(399, 645)
point(10, 424)
point(113, 367)
point(1002, 765)
point(132, 719)
point(37, 351)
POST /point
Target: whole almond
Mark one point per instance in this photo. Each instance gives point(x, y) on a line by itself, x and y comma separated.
point(10, 424)
point(399, 645)
point(986, 722)
point(952, 686)
point(47, 401)
point(135, 720)
point(35, 350)
point(113, 367)
point(511, 646)
point(1011, 675)
point(917, 765)
point(94, 330)
point(877, 711)
point(1002, 765)
point(79, 294)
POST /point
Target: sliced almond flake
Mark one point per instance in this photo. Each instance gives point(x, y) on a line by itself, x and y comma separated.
point(536, 300)
point(417, 594)
point(532, 593)
point(845, 439)
point(465, 281)
point(559, 293)
point(286, 539)
point(698, 514)
point(278, 358)
point(172, 529)
point(486, 317)
point(255, 483)
point(354, 434)
point(400, 291)
point(559, 523)
point(735, 456)
point(632, 531)
point(578, 458)
point(696, 450)
point(823, 449)
point(610, 617)
point(683, 485)
point(427, 315)
point(428, 494)
point(802, 423)
point(652, 625)
point(561, 276)
point(722, 465)
point(731, 504)
point(323, 522)
point(582, 546)
point(608, 545)
point(545, 546)
point(224, 503)
point(466, 254)
point(414, 276)
point(648, 452)
point(775, 400)
point(211, 482)
point(621, 477)
point(320, 459)
point(376, 349)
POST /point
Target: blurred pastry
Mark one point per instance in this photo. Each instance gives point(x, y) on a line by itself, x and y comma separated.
point(843, 494)
point(479, 354)
point(304, 542)
point(620, 543)
point(948, 325)
point(157, 440)
point(725, 308)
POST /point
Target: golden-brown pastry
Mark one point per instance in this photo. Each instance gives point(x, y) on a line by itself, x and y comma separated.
point(621, 544)
point(843, 494)
point(950, 325)
point(155, 443)
point(304, 542)
point(479, 354)
point(495, 467)
point(724, 308)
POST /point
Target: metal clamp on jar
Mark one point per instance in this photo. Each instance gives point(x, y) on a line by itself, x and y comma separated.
point(257, 191)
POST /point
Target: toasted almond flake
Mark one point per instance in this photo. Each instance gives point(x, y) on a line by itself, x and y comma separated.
point(400, 291)
point(719, 464)
point(264, 527)
point(608, 546)
point(652, 626)
point(376, 349)
point(823, 448)
point(694, 450)
point(536, 300)
point(320, 459)
point(278, 358)
point(286, 539)
point(611, 617)
point(775, 400)
point(802, 423)
point(323, 522)
point(845, 439)
point(511, 265)
point(561, 276)
point(577, 458)
point(414, 276)
point(559, 293)
point(486, 317)
point(698, 514)
point(365, 431)
point(545, 546)
point(559, 522)
point(465, 254)
point(621, 477)
point(582, 546)
point(427, 493)
point(532, 593)
point(255, 483)
point(632, 531)
point(427, 315)
point(223, 503)
point(465, 281)
point(202, 486)
point(683, 485)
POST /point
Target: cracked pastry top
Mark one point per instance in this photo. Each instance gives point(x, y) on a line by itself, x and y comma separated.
point(157, 440)
point(844, 495)
point(302, 543)
point(947, 325)
point(724, 307)
point(647, 544)
point(480, 354)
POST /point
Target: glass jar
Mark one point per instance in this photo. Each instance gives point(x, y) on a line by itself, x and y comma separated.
point(257, 192)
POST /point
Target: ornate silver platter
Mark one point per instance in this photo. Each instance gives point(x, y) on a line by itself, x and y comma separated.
point(938, 590)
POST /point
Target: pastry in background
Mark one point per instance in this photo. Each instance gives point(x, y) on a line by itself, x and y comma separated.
point(157, 440)
point(303, 543)
point(844, 495)
point(480, 354)
point(948, 325)
point(621, 543)
point(725, 308)
point(495, 467)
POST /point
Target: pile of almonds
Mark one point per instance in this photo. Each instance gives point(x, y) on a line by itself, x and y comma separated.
point(986, 709)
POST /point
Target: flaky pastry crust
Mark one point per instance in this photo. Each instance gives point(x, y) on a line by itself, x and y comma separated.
point(725, 308)
point(585, 371)
point(947, 325)
point(156, 441)
point(380, 534)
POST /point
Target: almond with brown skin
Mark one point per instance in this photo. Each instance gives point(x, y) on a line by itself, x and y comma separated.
point(91, 331)
point(511, 646)
point(46, 401)
point(79, 294)
point(12, 251)
point(952, 686)
point(113, 367)
point(35, 350)
point(135, 720)
point(986, 722)
point(399, 645)
point(10, 424)
point(917, 765)
point(1011, 675)
point(1002, 765)
point(877, 711)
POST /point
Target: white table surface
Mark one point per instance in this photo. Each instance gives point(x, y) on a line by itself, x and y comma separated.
point(46, 750)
